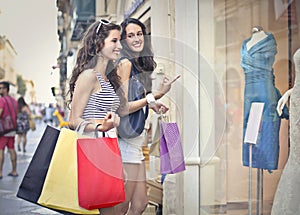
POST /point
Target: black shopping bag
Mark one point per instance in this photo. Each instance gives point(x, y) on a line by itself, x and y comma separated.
point(32, 184)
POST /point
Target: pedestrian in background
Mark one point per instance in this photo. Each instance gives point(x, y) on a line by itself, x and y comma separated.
point(48, 117)
point(137, 57)
point(92, 83)
point(23, 126)
point(8, 106)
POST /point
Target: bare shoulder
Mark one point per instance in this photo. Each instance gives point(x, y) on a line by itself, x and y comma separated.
point(87, 76)
point(124, 69)
point(86, 82)
point(125, 62)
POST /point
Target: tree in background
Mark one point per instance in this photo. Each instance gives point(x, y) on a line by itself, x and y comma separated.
point(21, 85)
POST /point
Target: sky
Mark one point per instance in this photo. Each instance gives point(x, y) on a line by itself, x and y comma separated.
point(31, 27)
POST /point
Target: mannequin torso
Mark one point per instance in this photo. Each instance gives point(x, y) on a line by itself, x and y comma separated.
point(256, 37)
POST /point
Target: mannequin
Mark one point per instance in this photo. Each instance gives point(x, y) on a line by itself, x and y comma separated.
point(258, 55)
point(286, 200)
point(257, 35)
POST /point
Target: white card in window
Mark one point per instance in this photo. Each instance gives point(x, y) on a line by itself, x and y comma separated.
point(254, 121)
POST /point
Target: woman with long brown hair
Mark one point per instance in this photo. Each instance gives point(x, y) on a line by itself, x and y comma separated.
point(94, 80)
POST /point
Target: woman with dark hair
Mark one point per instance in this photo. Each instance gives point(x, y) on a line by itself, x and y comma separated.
point(23, 127)
point(92, 83)
point(136, 63)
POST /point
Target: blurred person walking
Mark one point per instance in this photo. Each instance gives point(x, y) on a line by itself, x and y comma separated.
point(8, 106)
point(49, 118)
point(23, 125)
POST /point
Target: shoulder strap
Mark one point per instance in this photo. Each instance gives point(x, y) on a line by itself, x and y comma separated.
point(100, 79)
point(15, 110)
point(9, 108)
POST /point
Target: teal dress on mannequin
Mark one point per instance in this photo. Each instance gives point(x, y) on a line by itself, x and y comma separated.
point(257, 63)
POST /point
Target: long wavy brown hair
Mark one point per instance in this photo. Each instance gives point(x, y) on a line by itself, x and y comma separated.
point(91, 44)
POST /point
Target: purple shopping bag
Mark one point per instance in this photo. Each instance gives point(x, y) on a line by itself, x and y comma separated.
point(171, 153)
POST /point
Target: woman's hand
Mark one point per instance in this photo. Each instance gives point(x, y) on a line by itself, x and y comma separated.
point(159, 108)
point(110, 121)
point(164, 87)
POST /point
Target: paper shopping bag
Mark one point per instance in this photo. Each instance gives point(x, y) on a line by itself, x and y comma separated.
point(171, 153)
point(155, 128)
point(60, 186)
point(31, 186)
point(100, 173)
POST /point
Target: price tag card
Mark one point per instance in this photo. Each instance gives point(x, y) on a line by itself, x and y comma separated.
point(254, 122)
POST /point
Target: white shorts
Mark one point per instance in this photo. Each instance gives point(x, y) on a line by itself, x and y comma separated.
point(131, 149)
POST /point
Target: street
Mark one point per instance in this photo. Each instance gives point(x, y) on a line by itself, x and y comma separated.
point(9, 203)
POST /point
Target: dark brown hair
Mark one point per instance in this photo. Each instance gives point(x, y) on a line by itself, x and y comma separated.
point(21, 104)
point(5, 85)
point(144, 63)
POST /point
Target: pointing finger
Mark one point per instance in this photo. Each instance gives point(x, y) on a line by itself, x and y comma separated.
point(178, 76)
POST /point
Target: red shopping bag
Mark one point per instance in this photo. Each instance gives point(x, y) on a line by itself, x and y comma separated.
point(100, 173)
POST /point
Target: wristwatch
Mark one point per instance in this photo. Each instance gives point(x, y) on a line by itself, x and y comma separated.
point(150, 99)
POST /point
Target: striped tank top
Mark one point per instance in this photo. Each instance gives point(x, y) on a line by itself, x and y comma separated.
point(101, 102)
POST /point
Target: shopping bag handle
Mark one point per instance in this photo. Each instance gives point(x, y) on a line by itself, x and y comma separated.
point(163, 117)
point(81, 126)
point(96, 131)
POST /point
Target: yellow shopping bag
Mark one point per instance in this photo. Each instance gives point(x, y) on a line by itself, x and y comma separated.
point(60, 190)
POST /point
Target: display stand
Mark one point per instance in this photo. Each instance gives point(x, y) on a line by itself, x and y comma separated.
point(251, 134)
point(259, 205)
